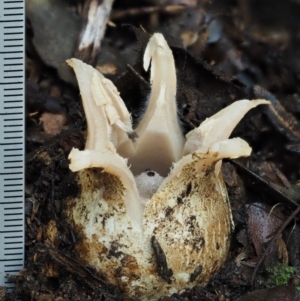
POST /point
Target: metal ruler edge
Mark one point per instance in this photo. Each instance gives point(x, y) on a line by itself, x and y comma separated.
point(12, 138)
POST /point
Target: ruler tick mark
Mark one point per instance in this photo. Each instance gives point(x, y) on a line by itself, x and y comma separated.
point(12, 156)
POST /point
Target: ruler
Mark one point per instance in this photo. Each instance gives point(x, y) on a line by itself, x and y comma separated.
point(12, 137)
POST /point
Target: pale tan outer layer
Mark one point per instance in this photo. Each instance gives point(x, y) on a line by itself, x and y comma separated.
point(191, 242)
point(189, 215)
point(160, 137)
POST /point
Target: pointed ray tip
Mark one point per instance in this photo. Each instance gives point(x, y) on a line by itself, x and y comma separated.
point(261, 101)
point(158, 39)
point(70, 61)
point(155, 42)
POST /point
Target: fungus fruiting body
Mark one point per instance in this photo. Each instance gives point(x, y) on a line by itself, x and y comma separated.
point(153, 214)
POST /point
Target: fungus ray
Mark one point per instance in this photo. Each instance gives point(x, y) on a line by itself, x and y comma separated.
point(160, 140)
point(219, 126)
point(99, 150)
point(189, 211)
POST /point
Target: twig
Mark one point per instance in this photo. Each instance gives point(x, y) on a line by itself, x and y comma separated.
point(285, 122)
point(97, 15)
point(275, 237)
point(267, 187)
point(138, 75)
point(138, 11)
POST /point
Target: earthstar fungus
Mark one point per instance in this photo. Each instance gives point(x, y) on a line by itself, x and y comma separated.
point(153, 214)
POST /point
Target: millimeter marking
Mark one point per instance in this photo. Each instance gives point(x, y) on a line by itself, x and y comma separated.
point(12, 138)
